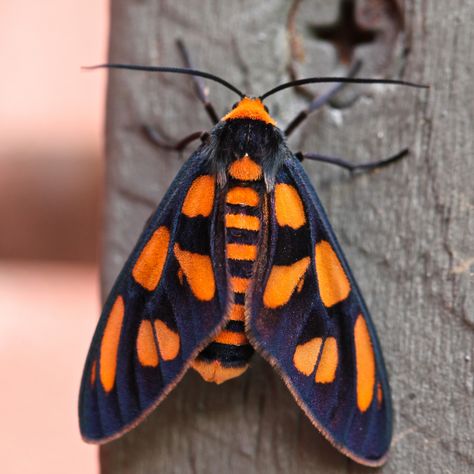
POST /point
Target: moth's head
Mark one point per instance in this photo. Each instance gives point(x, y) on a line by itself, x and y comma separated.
point(249, 108)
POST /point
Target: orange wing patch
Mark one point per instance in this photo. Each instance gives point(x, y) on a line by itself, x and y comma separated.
point(243, 197)
point(379, 395)
point(149, 266)
point(242, 221)
point(306, 355)
point(333, 283)
point(168, 340)
point(282, 282)
point(93, 372)
point(326, 371)
point(215, 372)
point(289, 208)
point(245, 169)
point(199, 200)
point(109, 344)
point(146, 347)
point(198, 271)
point(365, 363)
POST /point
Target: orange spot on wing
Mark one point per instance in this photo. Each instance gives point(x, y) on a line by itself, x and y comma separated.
point(243, 197)
point(149, 266)
point(198, 271)
point(168, 340)
point(215, 372)
point(379, 395)
point(333, 283)
point(146, 347)
point(245, 169)
point(239, 285)
point(199, 200)
point(282, 282)
point(180, 276)
point(289, 208)
point(232, 338)
point(241, 251)
point(365, 363)
point(242, 221)
point(326, 371)
point(250, 108)
point(306, 355)
point(93, 372)
point(237, 312)
point(109, 344)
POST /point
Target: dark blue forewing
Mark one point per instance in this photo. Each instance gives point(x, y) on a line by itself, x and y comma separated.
point(165, 306)
point(308, 318)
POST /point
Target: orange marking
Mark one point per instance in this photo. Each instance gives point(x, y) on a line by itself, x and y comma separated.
point(250, 108)
point(93, 372)
point(198, 271)
point(243, 197)
point(282, 282)
point(306, 355)
point(241, 251)
point(242, 221)
point(199, 200)
point(232, 338)
point(239, 285)
point(109, 344)
point(365, 363)
point(180, 276)
point(146, 347)
point(237, 312)
point(245, 169)
point(379, 395)
point(215, 372)
point(289, 208)
point(333, 283)
point(168, 340)
point(149, 266)
point(326, 371)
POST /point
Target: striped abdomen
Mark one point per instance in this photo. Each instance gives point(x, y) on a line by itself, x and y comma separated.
point(228, 355)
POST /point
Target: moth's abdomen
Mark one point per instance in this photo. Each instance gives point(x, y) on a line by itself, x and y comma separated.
point(228, 355)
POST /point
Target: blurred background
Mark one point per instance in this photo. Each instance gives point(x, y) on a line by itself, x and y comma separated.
point(51, 164)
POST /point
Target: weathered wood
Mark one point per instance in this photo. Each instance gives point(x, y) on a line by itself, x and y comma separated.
point(408, 230)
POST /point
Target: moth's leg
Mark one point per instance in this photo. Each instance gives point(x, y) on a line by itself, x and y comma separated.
point(352, 166)
point(201, 89)
point(153, 135)
point(319, 101)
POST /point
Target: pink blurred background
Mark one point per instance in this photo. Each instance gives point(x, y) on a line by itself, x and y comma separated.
point(51, 120)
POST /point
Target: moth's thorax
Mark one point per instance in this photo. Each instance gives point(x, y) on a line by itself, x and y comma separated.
point(234, 138)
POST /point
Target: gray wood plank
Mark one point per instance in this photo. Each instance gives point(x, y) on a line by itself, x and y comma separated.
point(407, 230)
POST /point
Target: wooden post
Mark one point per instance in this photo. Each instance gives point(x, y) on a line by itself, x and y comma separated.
point(408, 230)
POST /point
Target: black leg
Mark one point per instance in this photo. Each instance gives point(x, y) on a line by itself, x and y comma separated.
point(200, 87)
point(319, 101)
point(153, 135)
point(351, 166)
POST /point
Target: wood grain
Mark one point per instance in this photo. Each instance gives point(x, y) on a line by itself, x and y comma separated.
point(407, 230)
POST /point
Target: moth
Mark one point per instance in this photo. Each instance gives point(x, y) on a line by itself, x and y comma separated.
point(240, 257)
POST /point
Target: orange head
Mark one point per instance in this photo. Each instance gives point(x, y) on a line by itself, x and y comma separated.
point(250, 108)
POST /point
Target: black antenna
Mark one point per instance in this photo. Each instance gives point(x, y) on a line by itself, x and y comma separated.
point(176, 70)
point(346, 80)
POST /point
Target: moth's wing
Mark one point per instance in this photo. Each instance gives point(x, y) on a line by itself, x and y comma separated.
point(308, 318)
point(165, 306)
